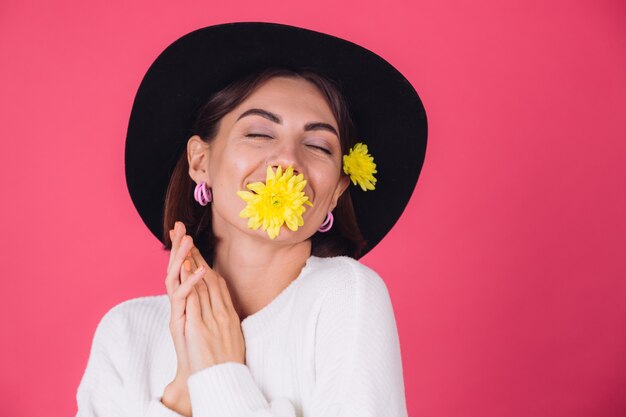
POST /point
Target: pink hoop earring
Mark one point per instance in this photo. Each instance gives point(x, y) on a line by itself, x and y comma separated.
point(328, 223)
point(202, 194)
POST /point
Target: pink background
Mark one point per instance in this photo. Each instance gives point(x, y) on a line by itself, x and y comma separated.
point(506, 271)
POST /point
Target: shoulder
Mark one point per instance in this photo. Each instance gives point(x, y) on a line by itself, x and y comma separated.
point(356, 322)
point(346, 281)
point(134, 315)
point(346, 272)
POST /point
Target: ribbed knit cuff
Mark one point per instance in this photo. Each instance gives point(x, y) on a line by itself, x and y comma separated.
point(157, 409)
point(226, 390)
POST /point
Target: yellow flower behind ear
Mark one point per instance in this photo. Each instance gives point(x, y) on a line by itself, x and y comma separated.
point(279, 201)
point(360, 166)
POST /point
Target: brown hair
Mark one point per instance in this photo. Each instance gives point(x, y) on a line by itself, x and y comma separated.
point(344, 238)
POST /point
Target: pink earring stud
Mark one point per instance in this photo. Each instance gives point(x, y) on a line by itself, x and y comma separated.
point(202, 194)
point(328, 223)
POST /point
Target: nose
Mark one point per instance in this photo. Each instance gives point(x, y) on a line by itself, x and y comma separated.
point(286, 156)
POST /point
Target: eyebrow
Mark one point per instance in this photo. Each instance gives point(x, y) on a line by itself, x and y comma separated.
point(276, 119)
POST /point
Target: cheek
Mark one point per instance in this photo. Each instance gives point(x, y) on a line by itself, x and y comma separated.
point(235, 167)
point(229, 177)
point(324, 186)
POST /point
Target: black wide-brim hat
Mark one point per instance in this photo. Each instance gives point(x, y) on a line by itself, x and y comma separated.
point(387, 111)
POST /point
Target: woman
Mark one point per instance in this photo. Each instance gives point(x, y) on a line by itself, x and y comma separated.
point(268, 311)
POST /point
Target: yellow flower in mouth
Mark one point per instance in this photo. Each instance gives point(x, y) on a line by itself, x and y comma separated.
point(279, 201)
point(360, 166)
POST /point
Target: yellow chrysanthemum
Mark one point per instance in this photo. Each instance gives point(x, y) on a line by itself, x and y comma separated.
point(360, 166)
point(279, 201)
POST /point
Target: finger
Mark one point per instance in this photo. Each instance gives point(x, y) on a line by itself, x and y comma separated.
point(197, 257)
point(172, 279)
point(206, 309)
point(173, 248)
point(193, 265)
point(225, 295)
point(177, 330)
point(186, 272)
point(193, 310)
point(228, 301)
point(204, 300)
point(176, 235)
point(190, 262)
point(186, 269)
point(217, 303)
point(179, 297)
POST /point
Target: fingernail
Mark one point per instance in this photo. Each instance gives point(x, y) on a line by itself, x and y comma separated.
point(200, 269)
point(187, 265)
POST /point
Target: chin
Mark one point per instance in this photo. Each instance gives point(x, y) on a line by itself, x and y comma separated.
point(285, 235)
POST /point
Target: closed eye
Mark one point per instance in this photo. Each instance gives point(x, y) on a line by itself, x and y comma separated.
point(254, 135)
point(321, 149)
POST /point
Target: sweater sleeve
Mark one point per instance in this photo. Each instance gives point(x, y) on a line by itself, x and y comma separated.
point(101, 390)
point(357, 362)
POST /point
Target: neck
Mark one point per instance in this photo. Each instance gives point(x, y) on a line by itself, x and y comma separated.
point(256, 269)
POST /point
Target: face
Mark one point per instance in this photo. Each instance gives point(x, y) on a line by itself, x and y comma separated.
point(291, 126)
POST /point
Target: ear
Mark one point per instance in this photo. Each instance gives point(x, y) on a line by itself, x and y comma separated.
point(344, 182)
point(198, 159)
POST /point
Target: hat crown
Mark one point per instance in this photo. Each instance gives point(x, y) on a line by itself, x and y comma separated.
point(386, 110)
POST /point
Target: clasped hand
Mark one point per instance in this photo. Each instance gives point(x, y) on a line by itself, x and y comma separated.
point(204, 324)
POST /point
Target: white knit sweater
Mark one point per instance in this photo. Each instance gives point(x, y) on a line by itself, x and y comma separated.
point(326, 346)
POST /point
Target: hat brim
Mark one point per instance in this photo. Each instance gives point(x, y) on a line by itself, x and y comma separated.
point(387, 111)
